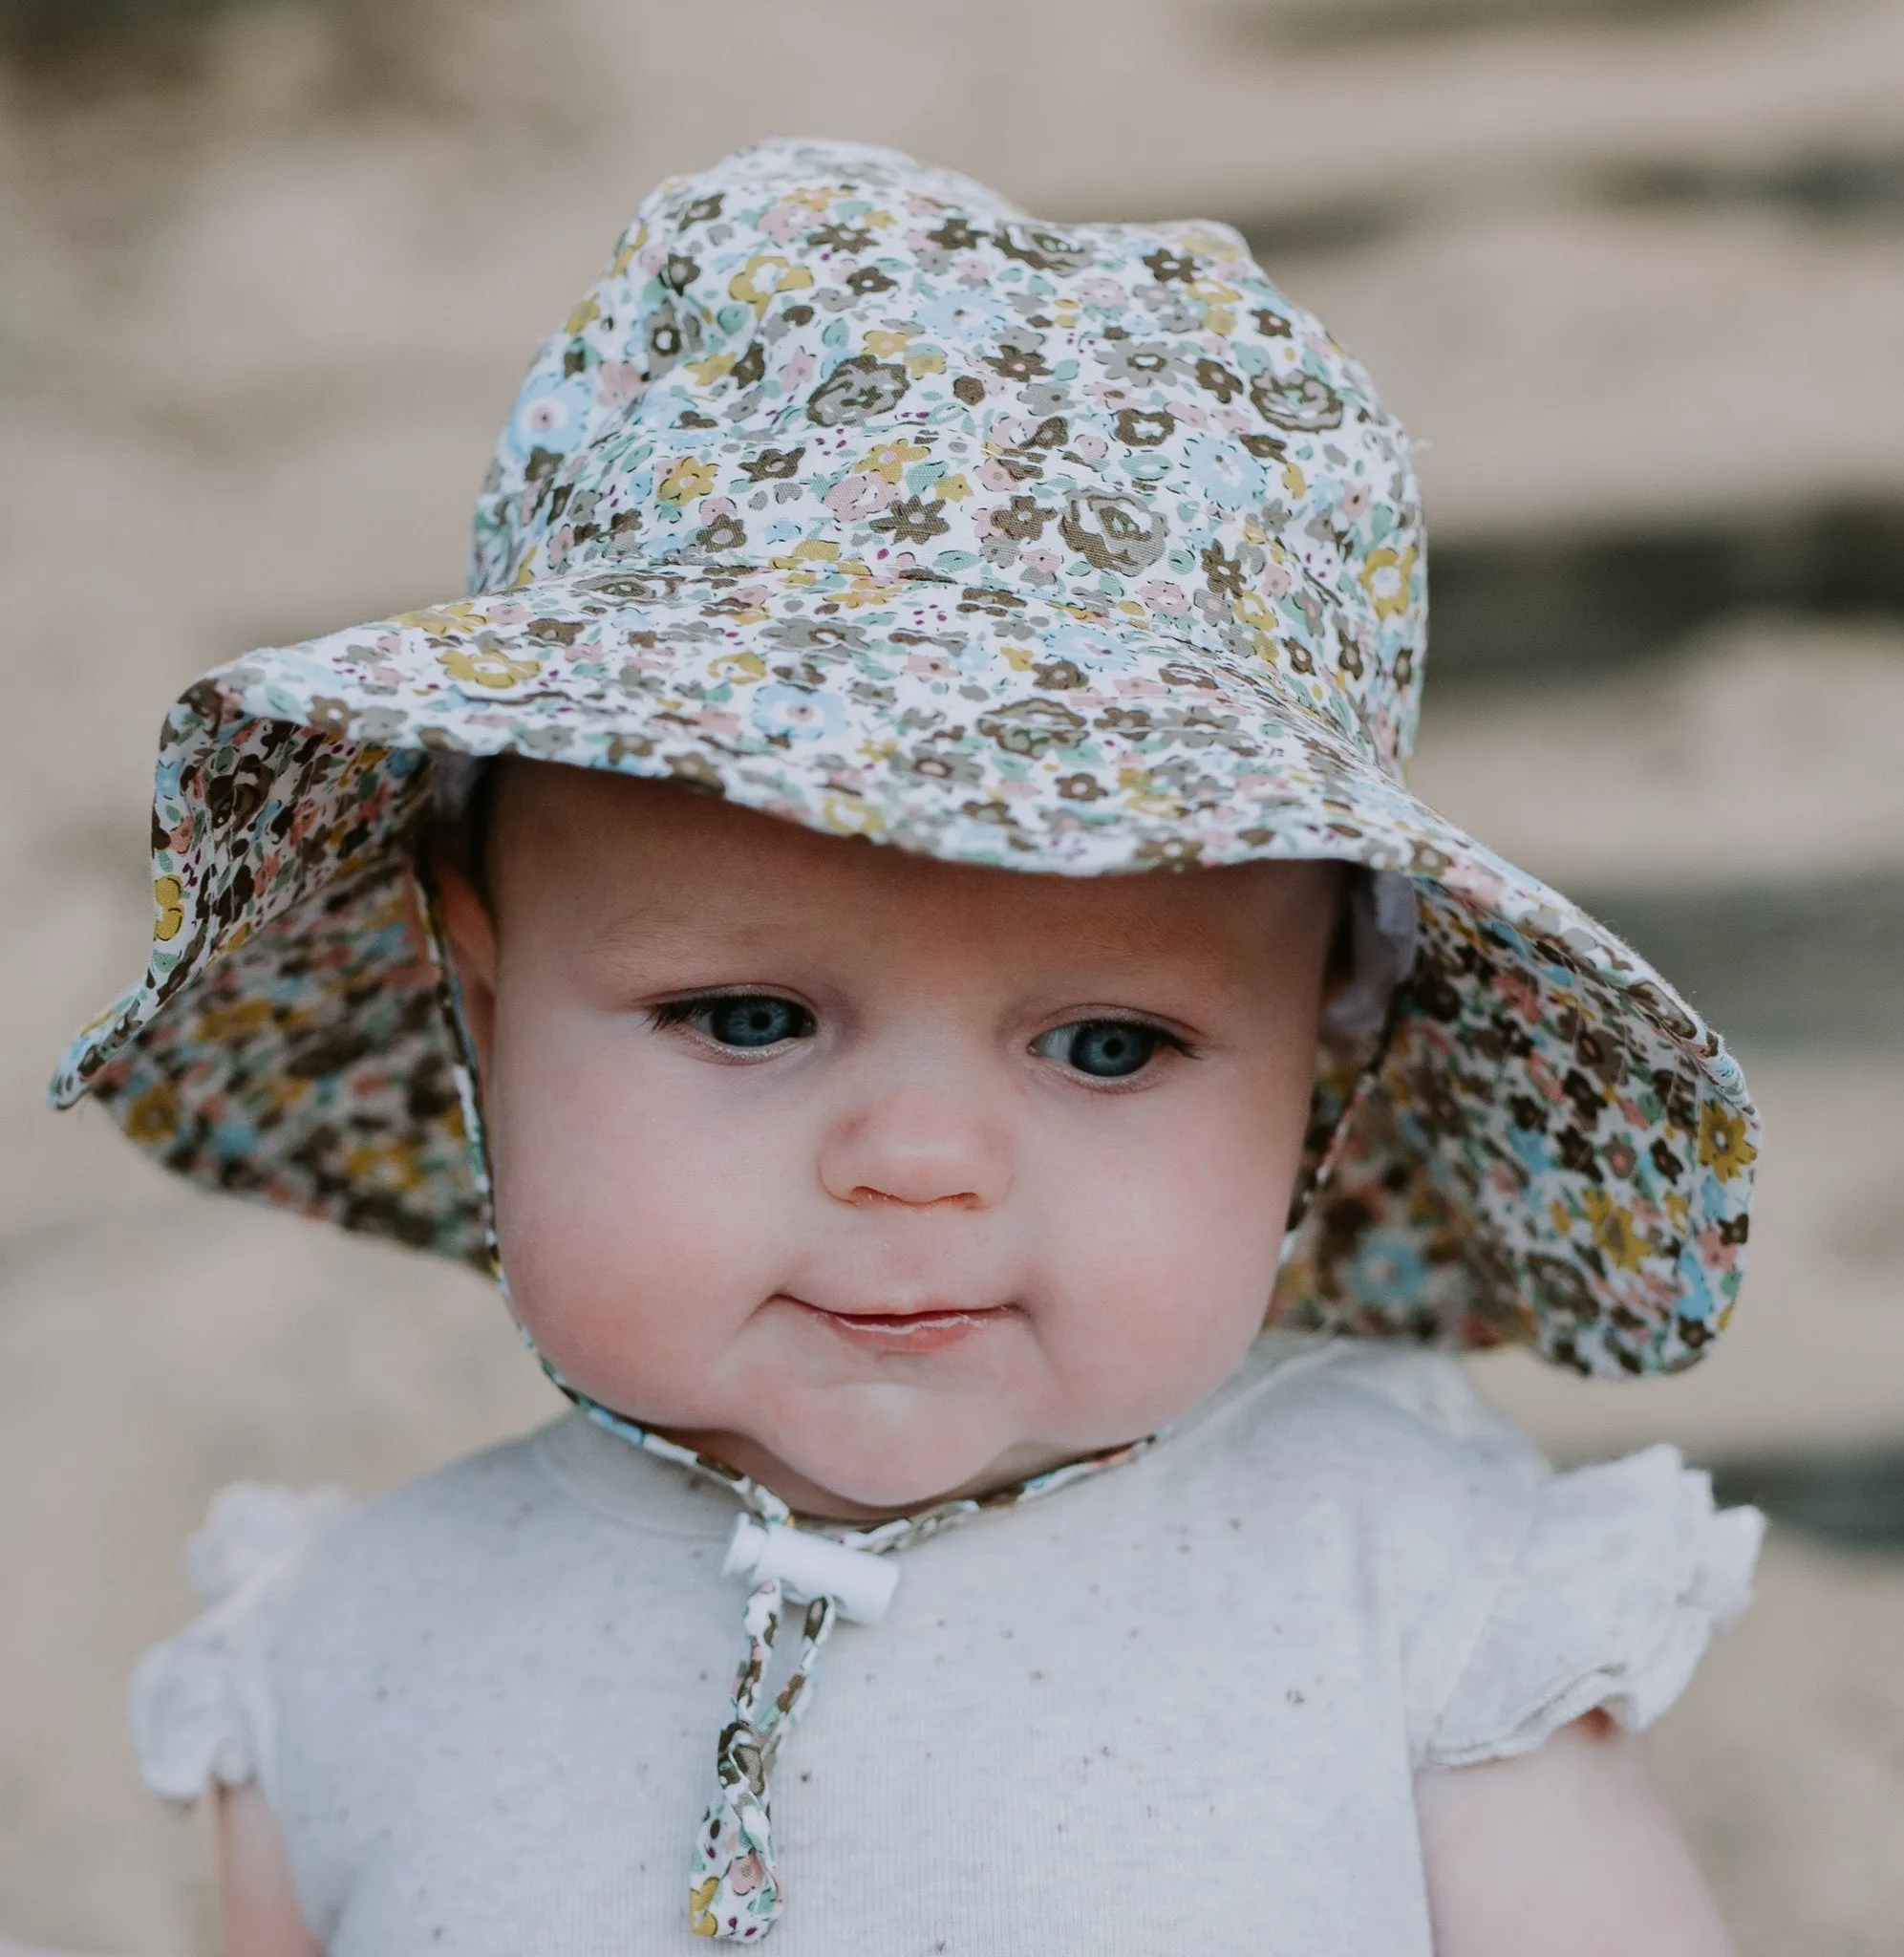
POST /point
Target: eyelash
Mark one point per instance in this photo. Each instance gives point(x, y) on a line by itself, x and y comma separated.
point(686, 1012)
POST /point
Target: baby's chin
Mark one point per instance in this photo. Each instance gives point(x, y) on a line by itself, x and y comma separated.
point(888, 1458)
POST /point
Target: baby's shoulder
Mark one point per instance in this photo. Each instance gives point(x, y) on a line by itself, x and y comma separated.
point(273, 1565)
point(1401, 1431)
point(1515, 1597)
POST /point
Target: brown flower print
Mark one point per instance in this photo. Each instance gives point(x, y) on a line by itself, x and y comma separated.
point(856, 391)
point(1113, 531)
point(1300, 402)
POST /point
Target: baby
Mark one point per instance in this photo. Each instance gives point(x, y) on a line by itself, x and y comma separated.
point(892, 926)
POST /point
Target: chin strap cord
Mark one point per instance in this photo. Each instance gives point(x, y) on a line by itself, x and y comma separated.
point(735, 1889)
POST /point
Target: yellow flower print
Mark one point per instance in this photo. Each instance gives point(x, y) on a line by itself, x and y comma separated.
point(478, 666)
point(168, 894)
point(1386, 575)
point(630, 249)
point(586, 314)
point(1294, 481)
point(951, 490)
point(740, 667)
point(716, 367)
point(924, 360)
point(701, 1920)
point(846, 815)
point(384, 1165)
point(1615, 1230)
point(1722, 1147)
point(866, 590)
point(154, 1116)
point(889, 343)
point(464, 616)
point(1142, 794)
point(889, 458)
point(756, 281)
point(233, 1021)
point(688, 481)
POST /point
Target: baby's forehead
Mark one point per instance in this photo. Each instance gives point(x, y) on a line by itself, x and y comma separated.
point(619, 859)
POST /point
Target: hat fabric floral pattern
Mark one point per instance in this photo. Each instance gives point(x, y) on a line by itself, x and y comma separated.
point(855, 495)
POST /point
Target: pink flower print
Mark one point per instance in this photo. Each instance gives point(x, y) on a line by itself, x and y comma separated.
point(1353, 505)
point(1088, 446)
point(995, 475)
point(928, 666)
point(857, 497)
point(722, 724)
point(618, 382)
point(747, 1874)
point(560, 543)
point(505, 611)
point(981, 521)
point(1167, 598)
point(800, 368)
point(785, 221)
point(1041, 564)
point(1717, 1252)
point(1275, 580)
point(1102, 292)
point(718, 505)
point(1008, 431)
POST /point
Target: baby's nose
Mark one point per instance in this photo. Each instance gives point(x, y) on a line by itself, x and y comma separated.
point(917, 1150)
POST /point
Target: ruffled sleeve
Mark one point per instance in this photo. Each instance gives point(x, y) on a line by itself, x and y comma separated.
point(200, 1716)
point(1627, 1575)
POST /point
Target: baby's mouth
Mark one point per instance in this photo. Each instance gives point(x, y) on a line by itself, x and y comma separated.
point(931, 1327)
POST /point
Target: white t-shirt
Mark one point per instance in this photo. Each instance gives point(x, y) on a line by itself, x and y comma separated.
point(1178, 1707)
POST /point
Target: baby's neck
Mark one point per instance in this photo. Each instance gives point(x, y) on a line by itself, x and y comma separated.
point(810, 1498)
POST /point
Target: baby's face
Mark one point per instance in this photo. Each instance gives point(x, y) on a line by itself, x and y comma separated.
point(878, 1177)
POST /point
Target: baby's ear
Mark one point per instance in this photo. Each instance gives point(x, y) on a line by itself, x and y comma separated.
point(470, 928)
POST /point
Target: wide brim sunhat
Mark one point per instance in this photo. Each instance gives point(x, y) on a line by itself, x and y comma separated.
point(855, 496)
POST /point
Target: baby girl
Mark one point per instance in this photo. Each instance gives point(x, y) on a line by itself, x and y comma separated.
point(891, 925)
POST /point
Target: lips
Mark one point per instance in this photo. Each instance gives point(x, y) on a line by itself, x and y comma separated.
point(932, 1328)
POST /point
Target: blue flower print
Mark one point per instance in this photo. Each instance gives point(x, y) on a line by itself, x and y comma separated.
point(1227, 475)
point(797, 713)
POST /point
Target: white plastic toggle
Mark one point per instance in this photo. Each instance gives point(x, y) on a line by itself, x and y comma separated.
point(809, 1566)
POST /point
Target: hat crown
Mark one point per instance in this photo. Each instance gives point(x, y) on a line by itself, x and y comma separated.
point(831, 362)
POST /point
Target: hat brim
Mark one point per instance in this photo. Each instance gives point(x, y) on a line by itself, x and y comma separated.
point(1557, 1147)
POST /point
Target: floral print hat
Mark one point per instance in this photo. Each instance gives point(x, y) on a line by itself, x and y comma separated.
point(854, 495)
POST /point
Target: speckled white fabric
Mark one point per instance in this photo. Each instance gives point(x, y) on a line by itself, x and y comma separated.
point(1178, 1707)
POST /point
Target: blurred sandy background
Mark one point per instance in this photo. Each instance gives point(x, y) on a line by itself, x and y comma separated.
point(1634, 268)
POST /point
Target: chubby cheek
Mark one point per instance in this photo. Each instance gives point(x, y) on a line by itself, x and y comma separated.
point(639, 1230)
point(1166, 1258)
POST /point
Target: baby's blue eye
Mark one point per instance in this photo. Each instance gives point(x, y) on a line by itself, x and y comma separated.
point(1105, 1049)
point(746, 1019)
